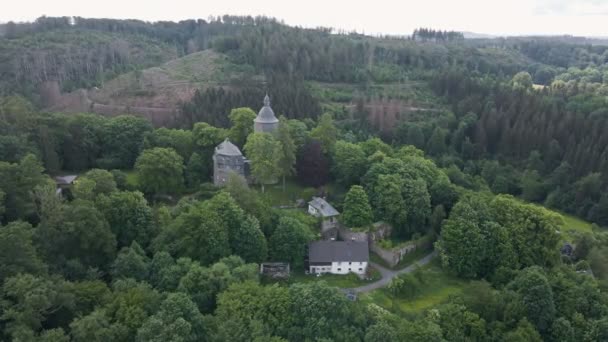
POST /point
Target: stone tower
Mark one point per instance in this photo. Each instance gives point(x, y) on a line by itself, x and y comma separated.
point(228, 158)
point(266, 121)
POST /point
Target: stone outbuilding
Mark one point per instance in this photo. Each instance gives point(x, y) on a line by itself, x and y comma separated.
point(228, 158)
point(266, 121)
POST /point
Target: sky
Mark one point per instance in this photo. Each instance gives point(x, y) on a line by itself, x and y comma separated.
point(400, 17)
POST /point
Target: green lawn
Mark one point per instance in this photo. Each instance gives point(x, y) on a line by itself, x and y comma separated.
point(574, 224)
point(276, 196)
point(437, 287)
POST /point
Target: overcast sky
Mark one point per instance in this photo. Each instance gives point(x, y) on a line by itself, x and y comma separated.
point(576, 17)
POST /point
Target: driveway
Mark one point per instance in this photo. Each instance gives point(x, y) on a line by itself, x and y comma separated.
point(388, 275)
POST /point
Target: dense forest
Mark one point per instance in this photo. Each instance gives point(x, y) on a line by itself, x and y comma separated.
point(143, 247)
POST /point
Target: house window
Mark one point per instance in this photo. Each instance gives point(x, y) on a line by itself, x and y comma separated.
point(349, 269)
point(350, 263)
point(339, 269)
point(360, 269)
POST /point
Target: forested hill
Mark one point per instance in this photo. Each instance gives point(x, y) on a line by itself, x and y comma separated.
point(460, 159)
point(537, 106)
point(52, 49)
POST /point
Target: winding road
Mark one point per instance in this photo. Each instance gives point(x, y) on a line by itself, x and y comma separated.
point(388, 275)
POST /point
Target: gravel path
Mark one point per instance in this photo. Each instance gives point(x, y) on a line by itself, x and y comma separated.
point(388, 275)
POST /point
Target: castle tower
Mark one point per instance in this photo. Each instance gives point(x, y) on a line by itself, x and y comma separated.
point(266, 121)
point(226, 159)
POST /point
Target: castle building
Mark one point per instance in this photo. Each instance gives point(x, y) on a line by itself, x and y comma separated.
point(266, 121)
point(228, 158)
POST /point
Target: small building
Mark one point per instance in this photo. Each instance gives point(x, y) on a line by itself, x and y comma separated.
point(319, 207)
point(275, 270)
point(266, 121)
point(338, 257)
point(228, 158)
point(64, 184)
point(64, 181)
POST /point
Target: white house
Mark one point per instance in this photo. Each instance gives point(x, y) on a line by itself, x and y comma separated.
point(338, 257)
point(319, 207)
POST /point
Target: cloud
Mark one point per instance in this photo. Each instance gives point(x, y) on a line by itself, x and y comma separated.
point(572, 8)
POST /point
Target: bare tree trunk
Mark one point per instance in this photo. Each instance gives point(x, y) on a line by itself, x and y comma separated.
point(263, 188)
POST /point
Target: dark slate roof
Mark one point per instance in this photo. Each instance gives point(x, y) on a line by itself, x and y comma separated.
point(266, 114)
point(227, 148)
point(323, 207)
point(65, 180)
point(328, 251)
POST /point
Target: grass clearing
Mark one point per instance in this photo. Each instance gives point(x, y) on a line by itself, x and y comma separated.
point(574, 225)
point(437, 287)
point(276, 196)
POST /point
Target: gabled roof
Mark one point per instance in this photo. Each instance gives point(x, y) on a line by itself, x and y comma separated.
point(266, 114)
point(329, 251)
point(324, 208)
point(226, 148)
point(65, 180)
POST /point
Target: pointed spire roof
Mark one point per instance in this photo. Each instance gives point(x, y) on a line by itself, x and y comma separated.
point(226, 148)
point(266, 114)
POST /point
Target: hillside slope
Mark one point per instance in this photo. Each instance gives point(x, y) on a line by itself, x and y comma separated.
point(73, 59)
point(157, 92)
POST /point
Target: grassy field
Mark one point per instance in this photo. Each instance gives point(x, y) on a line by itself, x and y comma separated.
point(437, 287)
point(275, 195)
point(575, 224)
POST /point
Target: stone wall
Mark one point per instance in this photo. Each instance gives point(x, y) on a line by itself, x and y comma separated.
point(348, 235)
point(392, 256)
point(380, 231)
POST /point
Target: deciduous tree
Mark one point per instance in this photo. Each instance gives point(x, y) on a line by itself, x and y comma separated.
point(198, 233)
point(264, 151)
point(242, 124)
point(17, 252)
point(160, 170)
point(349, 162)
point(288, 242)
point(325, 133)
point(129, 216)
point(249, 243)
point(131, 262)
point(357, 210)
point(312, 166)
point(288, 150)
